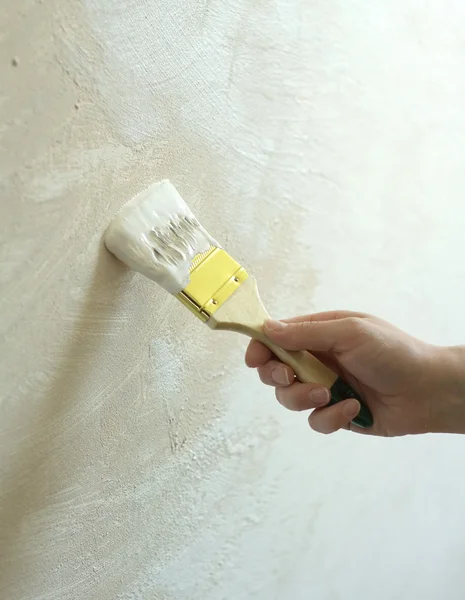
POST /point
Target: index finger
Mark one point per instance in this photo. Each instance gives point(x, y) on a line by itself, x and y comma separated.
point(257, 355)
point(331, 315)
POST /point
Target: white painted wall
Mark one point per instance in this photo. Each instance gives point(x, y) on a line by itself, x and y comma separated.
point(324, 143)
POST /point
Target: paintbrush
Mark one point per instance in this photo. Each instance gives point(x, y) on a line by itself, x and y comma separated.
point(157, 235)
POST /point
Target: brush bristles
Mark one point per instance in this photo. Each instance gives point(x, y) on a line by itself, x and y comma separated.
point(156, 234)
point(174, 241)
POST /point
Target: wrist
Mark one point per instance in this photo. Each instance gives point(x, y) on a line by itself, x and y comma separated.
point(447, 391)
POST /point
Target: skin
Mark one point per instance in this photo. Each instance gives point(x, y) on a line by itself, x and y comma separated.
point(410, 386)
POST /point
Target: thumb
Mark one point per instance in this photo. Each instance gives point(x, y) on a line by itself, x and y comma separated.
point(319, 336)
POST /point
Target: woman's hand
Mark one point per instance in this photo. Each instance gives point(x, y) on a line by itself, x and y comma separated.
point(409, 386)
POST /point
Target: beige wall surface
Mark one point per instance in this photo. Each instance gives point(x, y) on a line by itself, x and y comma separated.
point(323, 143)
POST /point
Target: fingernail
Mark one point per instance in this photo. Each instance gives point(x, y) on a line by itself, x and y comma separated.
point(280, 376)
point(351, 409)
point(319, 396)
point(274, 325)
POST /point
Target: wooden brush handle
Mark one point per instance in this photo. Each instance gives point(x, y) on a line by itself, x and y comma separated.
point(244, 313)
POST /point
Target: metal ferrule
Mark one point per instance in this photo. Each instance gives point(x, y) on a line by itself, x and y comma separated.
point(214, 277)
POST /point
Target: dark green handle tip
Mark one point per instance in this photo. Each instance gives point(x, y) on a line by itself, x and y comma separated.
point(342, 391)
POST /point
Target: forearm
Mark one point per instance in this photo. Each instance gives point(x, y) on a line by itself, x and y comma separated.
point(448, 385)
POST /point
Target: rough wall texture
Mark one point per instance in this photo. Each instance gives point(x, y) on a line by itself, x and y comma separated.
point(323, 142)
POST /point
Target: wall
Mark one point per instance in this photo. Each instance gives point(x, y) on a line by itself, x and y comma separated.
point(323, 142)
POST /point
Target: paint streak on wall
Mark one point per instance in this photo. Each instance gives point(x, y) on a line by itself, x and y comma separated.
point(323, 144)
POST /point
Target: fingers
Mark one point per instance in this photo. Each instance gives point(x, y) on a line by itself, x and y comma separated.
point(325, 335)
point(331, 315)
point(275, 373)
point(297, 396)
point(332, 418)
point(322, 336)
point(270, 370)
point(257, 355)
point(291, 394)
point(302, 396)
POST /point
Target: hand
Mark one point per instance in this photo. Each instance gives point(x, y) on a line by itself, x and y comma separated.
point(409, 386)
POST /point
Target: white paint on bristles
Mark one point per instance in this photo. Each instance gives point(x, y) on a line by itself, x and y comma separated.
point(157, 235)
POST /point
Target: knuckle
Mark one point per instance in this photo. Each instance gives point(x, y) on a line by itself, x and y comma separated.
point(357, 325)
point(353, 322)
point(300, 331)
point(304, 326)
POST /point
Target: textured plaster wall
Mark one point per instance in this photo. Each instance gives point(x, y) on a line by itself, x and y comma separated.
point(323, 142)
